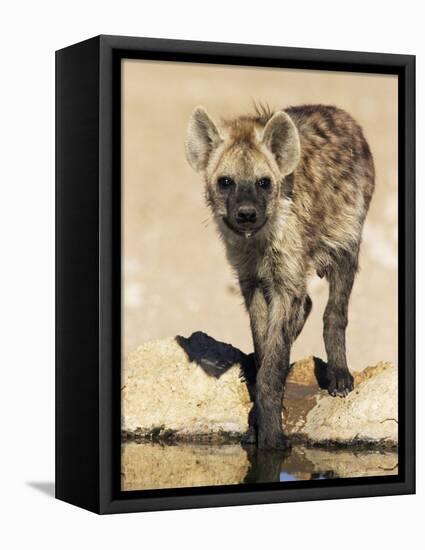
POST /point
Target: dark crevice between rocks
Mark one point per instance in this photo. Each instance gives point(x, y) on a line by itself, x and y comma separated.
point(160, 434)
point(356, 444)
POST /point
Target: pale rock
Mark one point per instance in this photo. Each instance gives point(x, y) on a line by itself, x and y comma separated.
point(188, 386)
point(367, 414)
point(199, 389)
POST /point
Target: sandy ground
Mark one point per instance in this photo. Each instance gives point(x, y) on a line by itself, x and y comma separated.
point(176, 279)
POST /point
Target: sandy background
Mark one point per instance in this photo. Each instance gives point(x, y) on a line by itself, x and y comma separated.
point(175, 275)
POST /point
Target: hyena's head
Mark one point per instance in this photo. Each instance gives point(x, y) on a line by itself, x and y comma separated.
point(244, 162)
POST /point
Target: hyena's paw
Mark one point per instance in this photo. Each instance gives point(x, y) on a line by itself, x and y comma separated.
point(250, 436)
point(340, 382)
point(273, 441)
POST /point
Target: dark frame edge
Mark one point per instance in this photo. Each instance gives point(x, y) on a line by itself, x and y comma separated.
point(217, 49)
point(256, 497)
point(402, 65)
point(77, 283)
point(407, 142)
point(107, 499)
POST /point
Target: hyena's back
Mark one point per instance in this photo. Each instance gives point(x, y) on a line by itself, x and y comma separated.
point(334, 181)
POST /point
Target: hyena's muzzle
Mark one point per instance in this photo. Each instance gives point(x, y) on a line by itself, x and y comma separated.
point(246, 206)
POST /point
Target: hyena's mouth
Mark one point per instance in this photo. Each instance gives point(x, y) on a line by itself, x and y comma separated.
point(244, 231)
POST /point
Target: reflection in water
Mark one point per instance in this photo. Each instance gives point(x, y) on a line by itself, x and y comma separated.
point(265, 466)
point(158, 466)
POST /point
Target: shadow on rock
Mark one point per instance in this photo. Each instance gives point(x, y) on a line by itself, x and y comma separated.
point(215, 358)
point(320, 372)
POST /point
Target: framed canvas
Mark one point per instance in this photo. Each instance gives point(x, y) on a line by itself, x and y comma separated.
point(207, 195)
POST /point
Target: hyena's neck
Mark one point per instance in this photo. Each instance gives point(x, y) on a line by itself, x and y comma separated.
point(274, 256)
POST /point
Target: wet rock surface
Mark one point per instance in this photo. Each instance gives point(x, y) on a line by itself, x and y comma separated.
point(368, 416)
point(199, 390)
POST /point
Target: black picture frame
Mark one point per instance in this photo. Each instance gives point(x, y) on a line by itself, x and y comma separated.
point(88, 273)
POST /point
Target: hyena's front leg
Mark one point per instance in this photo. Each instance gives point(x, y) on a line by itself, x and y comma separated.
point(300, 311)
point(258, 314)
point(274, 327)
point(283, 327)
point(259, 318)
point(335, 320)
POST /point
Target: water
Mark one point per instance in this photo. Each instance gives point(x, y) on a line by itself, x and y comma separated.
point(158, 466)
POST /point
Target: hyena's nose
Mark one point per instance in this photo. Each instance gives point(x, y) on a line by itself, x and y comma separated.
point(246, 214)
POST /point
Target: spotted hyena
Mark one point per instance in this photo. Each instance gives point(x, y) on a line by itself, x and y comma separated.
point(289, 192)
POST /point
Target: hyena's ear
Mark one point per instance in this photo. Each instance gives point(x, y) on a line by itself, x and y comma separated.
point(280, 135)
point(201, 139)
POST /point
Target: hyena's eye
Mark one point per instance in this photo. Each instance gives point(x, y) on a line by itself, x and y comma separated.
point(264, 183)
point(225, 183)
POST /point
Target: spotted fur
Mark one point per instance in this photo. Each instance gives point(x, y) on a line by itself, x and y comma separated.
point(321, 175)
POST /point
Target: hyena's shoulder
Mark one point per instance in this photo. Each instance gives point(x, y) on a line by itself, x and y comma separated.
point(329, 126)
point(333, 147)
point(334, 180)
